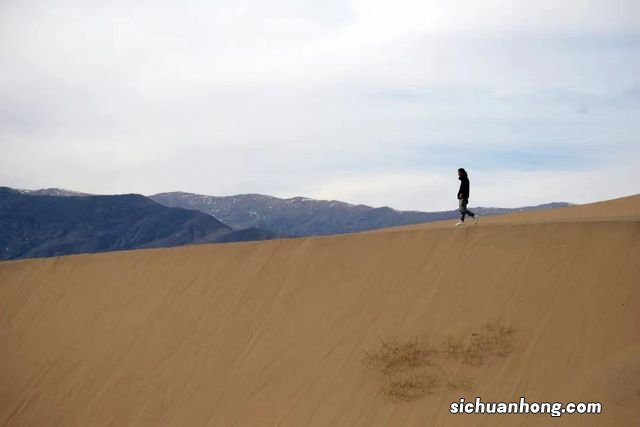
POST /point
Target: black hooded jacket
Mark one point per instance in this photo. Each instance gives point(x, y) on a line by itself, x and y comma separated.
point(463, 192)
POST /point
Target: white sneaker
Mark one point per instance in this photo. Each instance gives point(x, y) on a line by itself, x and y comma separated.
point(476, 218)
point(460, 223)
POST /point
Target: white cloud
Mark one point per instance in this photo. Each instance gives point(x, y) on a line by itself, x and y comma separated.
point(318, 98)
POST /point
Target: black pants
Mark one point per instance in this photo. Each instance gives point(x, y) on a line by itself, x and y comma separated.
point(462, 203)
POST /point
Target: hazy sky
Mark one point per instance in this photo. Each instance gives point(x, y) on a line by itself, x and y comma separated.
point(375, 102)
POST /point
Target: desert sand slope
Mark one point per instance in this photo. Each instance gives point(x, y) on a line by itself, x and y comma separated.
point(622, 209)
point(280, 332)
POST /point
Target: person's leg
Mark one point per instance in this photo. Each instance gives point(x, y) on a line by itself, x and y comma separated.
point(464, 211)
point(473, 215)
point(462, 204)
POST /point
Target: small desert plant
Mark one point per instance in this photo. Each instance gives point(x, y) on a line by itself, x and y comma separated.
point(412, 369)
point(453, 347)
point(458, 382)
point(502, 335)
point(479, 346)
point(409, 387)
point(401, 364)
point(494, 339)
point(395, 356)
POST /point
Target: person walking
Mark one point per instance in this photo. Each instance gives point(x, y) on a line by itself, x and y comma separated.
point(463, 197)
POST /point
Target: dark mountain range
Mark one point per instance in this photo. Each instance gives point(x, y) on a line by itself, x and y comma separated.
point(41, 225)
point(301, 216)
point(52, 221)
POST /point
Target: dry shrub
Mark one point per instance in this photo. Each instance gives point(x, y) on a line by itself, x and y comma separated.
point(458, 382)
point(494, 339)
point(412, 369)
point(453, 347)
point(402, 366)
point(408, 387)
point(396, 356)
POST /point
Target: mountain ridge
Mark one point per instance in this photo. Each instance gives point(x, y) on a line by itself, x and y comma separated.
point(46, 225)
point(302, 216)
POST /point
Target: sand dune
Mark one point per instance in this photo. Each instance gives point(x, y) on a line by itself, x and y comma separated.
point(287, 332)
point(622, 209)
